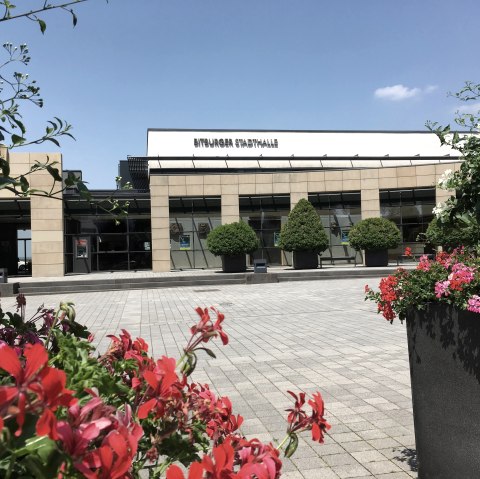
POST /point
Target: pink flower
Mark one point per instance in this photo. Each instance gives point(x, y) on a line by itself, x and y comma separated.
point(474, 304)
point(441, 288)
point(424, 263)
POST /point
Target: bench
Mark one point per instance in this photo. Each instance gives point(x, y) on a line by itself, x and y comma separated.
point(332, 259)
point(415, 257)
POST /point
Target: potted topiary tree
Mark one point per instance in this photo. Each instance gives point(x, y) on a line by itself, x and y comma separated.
point(303, 234)
point(375, 236)
point(453, 235)
point(232, 242)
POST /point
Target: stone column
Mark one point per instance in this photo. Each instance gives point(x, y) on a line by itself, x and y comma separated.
point(47, 223)
point(298, 188)
point(160, 218)
point(370, 193)
point(230, 200)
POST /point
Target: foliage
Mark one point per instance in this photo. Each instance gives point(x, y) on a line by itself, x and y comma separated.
point(33, 14)
point(17, 91)
point(17, 331)
point(463, 208)
point(449, 278)
point(303, 230)
point(232, 239)
point(450, 235)
point(374, 234)
point(66, 413)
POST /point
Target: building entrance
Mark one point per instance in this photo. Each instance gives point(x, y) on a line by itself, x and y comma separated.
point(266, 215)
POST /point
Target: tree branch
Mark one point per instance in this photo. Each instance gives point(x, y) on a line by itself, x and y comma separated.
point(45, 8)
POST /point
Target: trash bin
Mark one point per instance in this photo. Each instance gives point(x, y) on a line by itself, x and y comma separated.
point(259, 265)
point(3, 275)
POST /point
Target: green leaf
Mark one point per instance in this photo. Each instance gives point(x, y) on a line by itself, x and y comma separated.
point(53, 140)
point(24, 184)
point(54, 173)
point(17, 140)
point(42, 24)
point(209, 352)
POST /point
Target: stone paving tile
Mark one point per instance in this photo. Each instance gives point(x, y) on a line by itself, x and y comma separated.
point(317, 335)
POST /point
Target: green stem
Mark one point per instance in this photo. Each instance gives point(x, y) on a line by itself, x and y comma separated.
point(285, 439)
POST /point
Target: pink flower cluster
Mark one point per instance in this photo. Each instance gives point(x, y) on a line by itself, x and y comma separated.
point(474, 304)
point(460, 276)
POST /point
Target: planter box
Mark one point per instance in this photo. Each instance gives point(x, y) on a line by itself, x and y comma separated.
point(234, 264)
point(305, 260)
point(444, 350)
point(377, 257)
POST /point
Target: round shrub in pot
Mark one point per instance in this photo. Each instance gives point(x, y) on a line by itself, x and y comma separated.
point(232, 242)
point(451, 236)
point(376, 236)
point(303, 234)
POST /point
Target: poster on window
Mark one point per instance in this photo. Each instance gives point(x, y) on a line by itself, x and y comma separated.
point(345, 241)
point(185, 244)
point(81, 248)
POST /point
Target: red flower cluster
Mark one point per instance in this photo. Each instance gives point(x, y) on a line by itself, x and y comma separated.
point(452, 278)
point(236, 458)
point(206, 329)
point(102, 442)
point(215, 412)
point(98, 440)
point(299, 420)
point(38, 389)
point(388, 294)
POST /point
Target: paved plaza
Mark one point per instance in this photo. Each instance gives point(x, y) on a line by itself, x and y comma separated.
point(309, 336)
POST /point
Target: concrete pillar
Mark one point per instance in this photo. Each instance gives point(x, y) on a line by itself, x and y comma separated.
point(160, 218)
point(230, 200)
point(298, 188)
point(230, 208)
point(47, 222)
point(370, 194)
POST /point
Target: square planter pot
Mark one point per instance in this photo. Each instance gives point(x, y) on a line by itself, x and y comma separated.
point(377, 257)
point(444, 351)
point(234, 264)
point(305, 259)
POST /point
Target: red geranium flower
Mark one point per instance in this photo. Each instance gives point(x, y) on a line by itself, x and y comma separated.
point(48, 385)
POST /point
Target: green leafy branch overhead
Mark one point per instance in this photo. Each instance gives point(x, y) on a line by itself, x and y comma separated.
point(463, 207)
point(16, 92)
point(10, 11)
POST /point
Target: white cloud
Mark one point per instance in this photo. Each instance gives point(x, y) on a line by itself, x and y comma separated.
point(469, 108)
point(401, 92)
point(431, 88)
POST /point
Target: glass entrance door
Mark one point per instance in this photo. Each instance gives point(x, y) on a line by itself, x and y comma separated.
point(266, 215)
point(24, 251)
point(268, 231)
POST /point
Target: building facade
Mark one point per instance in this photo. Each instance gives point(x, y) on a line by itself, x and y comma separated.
point(193, 180)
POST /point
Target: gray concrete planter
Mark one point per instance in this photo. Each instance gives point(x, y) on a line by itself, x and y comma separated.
point(305, 259)
point(377, 257)
point(234, 264)
point(444, 351)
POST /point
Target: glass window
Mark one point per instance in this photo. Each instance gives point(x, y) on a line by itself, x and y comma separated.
point(339, 211)
point(411, 210)
point(191, 219)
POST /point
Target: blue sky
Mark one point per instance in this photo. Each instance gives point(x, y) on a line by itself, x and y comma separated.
point(264, 64)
